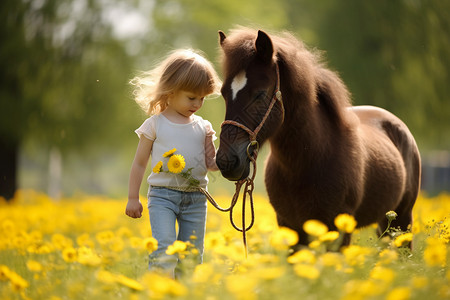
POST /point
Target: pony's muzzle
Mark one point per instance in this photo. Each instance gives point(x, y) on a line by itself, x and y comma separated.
point(233, 167)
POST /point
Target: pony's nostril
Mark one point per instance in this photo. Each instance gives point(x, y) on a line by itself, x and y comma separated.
point(226, 164)
point(229, 166)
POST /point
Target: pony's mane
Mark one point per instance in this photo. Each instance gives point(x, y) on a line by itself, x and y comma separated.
point(306, 73)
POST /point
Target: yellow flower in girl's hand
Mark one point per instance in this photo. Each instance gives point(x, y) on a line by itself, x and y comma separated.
point(158, 167)
point(176, 163)
point(170, 152)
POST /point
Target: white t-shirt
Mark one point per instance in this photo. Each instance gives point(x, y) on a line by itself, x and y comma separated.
point(188, 139)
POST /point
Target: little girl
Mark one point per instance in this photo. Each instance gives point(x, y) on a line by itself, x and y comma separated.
point(172, 93)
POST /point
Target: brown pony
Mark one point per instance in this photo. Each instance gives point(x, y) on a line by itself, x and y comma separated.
point(326, 157)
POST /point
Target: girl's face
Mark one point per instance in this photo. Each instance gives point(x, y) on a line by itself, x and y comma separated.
point(185, 103)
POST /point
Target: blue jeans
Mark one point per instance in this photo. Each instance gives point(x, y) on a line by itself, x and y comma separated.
point(167, 206)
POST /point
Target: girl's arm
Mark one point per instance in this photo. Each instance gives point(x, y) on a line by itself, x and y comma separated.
point(210, 154)
point(134, 207)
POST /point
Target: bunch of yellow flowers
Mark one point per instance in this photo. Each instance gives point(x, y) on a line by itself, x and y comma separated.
point(176, 165)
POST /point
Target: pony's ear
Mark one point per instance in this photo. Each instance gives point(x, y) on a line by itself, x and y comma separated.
point(264, 47)
point(222, 37)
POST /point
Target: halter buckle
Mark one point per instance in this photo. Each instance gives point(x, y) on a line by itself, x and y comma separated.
point(253, 143)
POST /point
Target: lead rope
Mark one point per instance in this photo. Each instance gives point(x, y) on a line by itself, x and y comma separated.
point(248, 189)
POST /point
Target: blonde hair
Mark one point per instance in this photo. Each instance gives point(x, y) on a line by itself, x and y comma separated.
point(183, 69)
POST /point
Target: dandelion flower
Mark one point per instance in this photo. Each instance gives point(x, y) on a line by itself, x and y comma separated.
point(4, 273)
point(331, 259)
point(306, 271)
point(345, 223)
point(302, 256)
point(130, 283)
point(403, 239)
point(151, 244)
point(106, 277)
point(203, 273)
point(170, 152)
point(69, 254)
point(241, 285)
point(176, 247)
point(315, 227)
point(399, 293)
point(176, 163)
point(34, 266)
point(86, 256)
point(160, 286)
point(356, 255)
point(330, 236)
point(436, 253)
point(388, 256)
point(158, 167)
point(17, 282)
point(382, 274)
point(283, 238)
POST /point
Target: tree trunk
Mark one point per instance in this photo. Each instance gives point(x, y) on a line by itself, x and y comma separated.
point(8, 168)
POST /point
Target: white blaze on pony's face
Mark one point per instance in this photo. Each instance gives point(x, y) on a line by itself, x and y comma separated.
point(238, 83)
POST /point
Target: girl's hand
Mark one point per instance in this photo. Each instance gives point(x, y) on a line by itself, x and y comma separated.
point(134, 208)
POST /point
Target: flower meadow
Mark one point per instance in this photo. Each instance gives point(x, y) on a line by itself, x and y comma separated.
point(85, 247)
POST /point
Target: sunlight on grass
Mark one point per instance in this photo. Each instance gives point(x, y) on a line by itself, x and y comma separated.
point(86, 248)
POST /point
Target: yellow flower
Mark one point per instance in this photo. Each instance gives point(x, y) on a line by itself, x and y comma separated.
point(60, 241)
point(331, 259)
point(176, 247)
point(84, 240)
point(4, 273)
point(388, 256)
point(69, 254)
point(306, 271)
point(283, 238)
point(87, 256)
point(356, 255)
point(403, 239)
point(17, 282)
point(302, 256)
point(399, 293)
point(151, 244)
point(315, 227)
point(242, 286)
point(158, 167)
point(104, 237)
point(170, 152)
point(130, 283)
point(203, 273)
point(160, 286)
point(270, 273)
point(382, 274)
point(436, 253)
point(330, 236)
point(176, 163)
point(345, 223)
point(106, 277)
point(34, 266)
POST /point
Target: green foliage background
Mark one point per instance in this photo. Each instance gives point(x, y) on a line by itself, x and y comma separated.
point(65, 66)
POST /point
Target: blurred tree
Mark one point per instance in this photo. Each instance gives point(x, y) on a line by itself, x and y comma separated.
point(62, 78)
point(396, 55)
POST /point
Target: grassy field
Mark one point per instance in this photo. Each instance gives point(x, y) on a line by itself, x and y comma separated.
point(86, 248)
